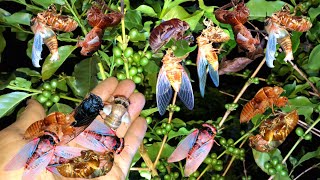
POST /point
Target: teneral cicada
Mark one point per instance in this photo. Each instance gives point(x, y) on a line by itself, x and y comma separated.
point(99, 21)
point(195, 148)
point(207, 57)
point(117, 112)
point(277, 35)
point(56, 21)
point(100, 138)
point(36, 155)
point(43, 34)
point(160, 35)
point(236, 19)
point(264, 98)
point(172, 73)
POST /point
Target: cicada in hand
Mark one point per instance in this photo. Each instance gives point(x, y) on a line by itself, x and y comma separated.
point(160, 35)
point(172, 73)
point(56, 21)
point(195, 148)
point(36, 155)
point(43, 34)
point(100, 138)
point(264, 98)
point(277, 34)
point(117, 112)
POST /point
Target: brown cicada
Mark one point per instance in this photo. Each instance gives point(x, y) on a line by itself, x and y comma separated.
point(117, 112)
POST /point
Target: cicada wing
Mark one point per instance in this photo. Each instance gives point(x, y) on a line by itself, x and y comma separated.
point(107, 109)
point(214, 74)
point(184, 147)
point(38, 166)
point(53, 169)
point(36, 49)
point(271, 49)
point(186, 93)
point(202, 71)
point(20, 159)
point(197, 157)
point(163, 91)
point(100, 128)
point(90, 142)
point(67, 151)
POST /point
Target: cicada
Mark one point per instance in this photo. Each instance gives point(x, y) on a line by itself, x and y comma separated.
point(264, 98)
point(56, 21)
point(235, 65)
point(100, 138)
point(277, 35)
point(99, 21)
point(195, 148)
point(160, 35)
point(236, 19)
point(117, 112)
point(207, 57)
point(36, 155)
point(43, 34)
point(172, 73)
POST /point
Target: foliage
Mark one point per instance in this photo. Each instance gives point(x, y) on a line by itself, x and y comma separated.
point(125, 54)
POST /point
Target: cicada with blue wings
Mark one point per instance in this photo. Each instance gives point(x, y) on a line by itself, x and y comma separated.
point(43, 34)
point(172, 73)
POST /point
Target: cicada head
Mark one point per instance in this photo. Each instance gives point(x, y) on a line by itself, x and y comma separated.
point(119, 146)
point(211, 129)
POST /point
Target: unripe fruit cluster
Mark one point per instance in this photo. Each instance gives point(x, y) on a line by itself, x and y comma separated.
point(275, 166)
point(164, 129)
point(217, 177)
point(215, 163)
point(161, 166)
point(239, 153)
point(48, 95)
point(300, 133)
point(231, 107)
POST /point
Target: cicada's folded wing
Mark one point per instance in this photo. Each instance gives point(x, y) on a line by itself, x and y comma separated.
point(20, 159)
point(37, 49)
point(271, 49)
point(90, 142)
point(214, 74)
point(197, 157)
point(202, 70)
point(163, 91)
point(184, 147)
point(186, 93)
point(67, 151)
point(100, 128)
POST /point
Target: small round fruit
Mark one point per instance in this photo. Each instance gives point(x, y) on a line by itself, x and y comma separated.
point(148, 54)
point(164, 131)
point(283, 172)
point(308, 137)
point(55, 98)
point(208, 160)
point(140, 69)
point(119, 61)
point(230, 149)
point(134, 34)
point(54, 83)
point(267, 165)
point(136, 57)
point(133, 71)
point(143, 164)
point(299, 131)
point(223, 141)
point(279, 167)
point(46, 86)
point(149, 120)
point(272, 171)
point(218, 167)
point(121, 76)
point(230, 141)
point(177, 108)
point(275, 161)
point(159, 131)
point(137, 79)
point(196, 174)
point(167, 177)
point(128, 52)
point(176, 175)
point(213, 156)
point(116, 51)
point(42, 99)
point(46, 93)
point(168, 127)
point(49, 103)
point(144, 61)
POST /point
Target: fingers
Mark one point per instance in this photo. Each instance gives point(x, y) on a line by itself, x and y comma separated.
point(106, 88)
point(132, 140)
point(125, 88)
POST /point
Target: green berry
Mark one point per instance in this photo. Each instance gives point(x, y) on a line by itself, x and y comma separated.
point(236, 151)
point(121, 76)
point(272, 171)
point(55, 98)
point(130, 60)
point(177, 108)
point(128, 52)
point(116, 51)
point(149, 120)
point(214, 162)
point(175, 175)
point(164, 131)
point(219, 162)
point(168, 127)
point(46, 94)
point(48, 103)
point(159, 131)
point(134, 34)
point(161, 166)
point(275, 161)
point(118, 61)
point(223, 141)
point(213, 156)
point(144, 61)
point(192, 178)
point(218, 167)
point(167, 177)
point(279, 167)
point(208, 160)
point(299, 131)
point(137, 79)
point(230, 149)
point(145, 141)
point(188, 62)
point(46, 86)
point(283, 172)
point(230, 141)
point(308, 137)
point(267, 165)
point(196, 174)
point(143, 165)
point(133, 71)
point(42, 99)
point(148, 54)
point(136, 57)
point(140, 69)
point(54, 83)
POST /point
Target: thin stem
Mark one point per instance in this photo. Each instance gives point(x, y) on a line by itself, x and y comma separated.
point(231, 95)
point(244, 88)
point(314, 131)
point(229, 165)
point(314, 94)
point(138, 169)
point(244, 76)
point(23, 89)
point(103, 76)
point(147, 160)
point(75, 15)
point(70, 98)
point(310, 168)
point(181, 168)
point(204, 171)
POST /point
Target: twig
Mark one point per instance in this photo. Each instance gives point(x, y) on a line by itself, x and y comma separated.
point(244, 88)
point(314, 131)
point(138, 169)
point(241, 75)
point(314, 94)
point(244, 169)
point(310, 168)
point(222, 92)
point(147, 160)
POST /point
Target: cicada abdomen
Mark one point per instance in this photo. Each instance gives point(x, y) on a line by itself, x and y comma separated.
point(43, 34)
point(117, 112)
point(258, 143)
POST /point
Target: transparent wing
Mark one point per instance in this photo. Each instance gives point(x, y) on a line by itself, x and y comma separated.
point(202, 71)
point(90, 142)
point(67, 151)
point(36, 49)
point(195, 159)
point(163, 91)
point(100, 128)
point(186, 93)
point(20, 159)
point(107, 109)
point(184, 147)
point(214, 75)
point(271, 49)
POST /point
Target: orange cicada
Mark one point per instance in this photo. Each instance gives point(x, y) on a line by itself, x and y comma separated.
point(173, 74)
point(265, 97)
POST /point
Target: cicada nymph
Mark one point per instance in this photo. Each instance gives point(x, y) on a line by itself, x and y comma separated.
point(160, 35)
point(56, 21)
point(235, 65)
point(195, 148)
point(117, 112)
point(43, 34)
point(266, 97)
point(236, 18)
point(172, 73)
point(273, 132)
point(99, 21)
point(207, 57)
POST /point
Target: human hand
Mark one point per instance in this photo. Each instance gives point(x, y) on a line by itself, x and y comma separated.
point(11, 138)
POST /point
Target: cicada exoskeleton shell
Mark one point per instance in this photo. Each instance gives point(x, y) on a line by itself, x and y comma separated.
point(258, 143)
point(117, 112)
point(106, 163)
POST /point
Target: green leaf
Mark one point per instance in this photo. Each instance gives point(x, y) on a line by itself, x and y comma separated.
point(194, 19)
point(176, 12)
point(11, 100)
point(152, 70)
point(2, 41)
point(85, 75)
point(302, 104)
point(147, 10)
point(133, 20)
point(181, 132)
point(183, 48)
point(262, 157)
point(5, 79)
point(314, 63)
point(59, 107)
point(29, 72)
point(21, 82)
point(49, 67)
point(176, 122)
point(154, 149)
point(62, 85)
point(295, 38)
point(47, 3)
point(259, 9)
point(289, 89)
point(314, 12)
point(148, 112)
point(19, 18)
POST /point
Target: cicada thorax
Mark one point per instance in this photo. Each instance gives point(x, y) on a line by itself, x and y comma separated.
point(212, 34)
point(162, 34)
point(239, 15)
point(119, 107)
point(291, 22)
point(244, 38)
point(97, 18)
point(258, 143)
